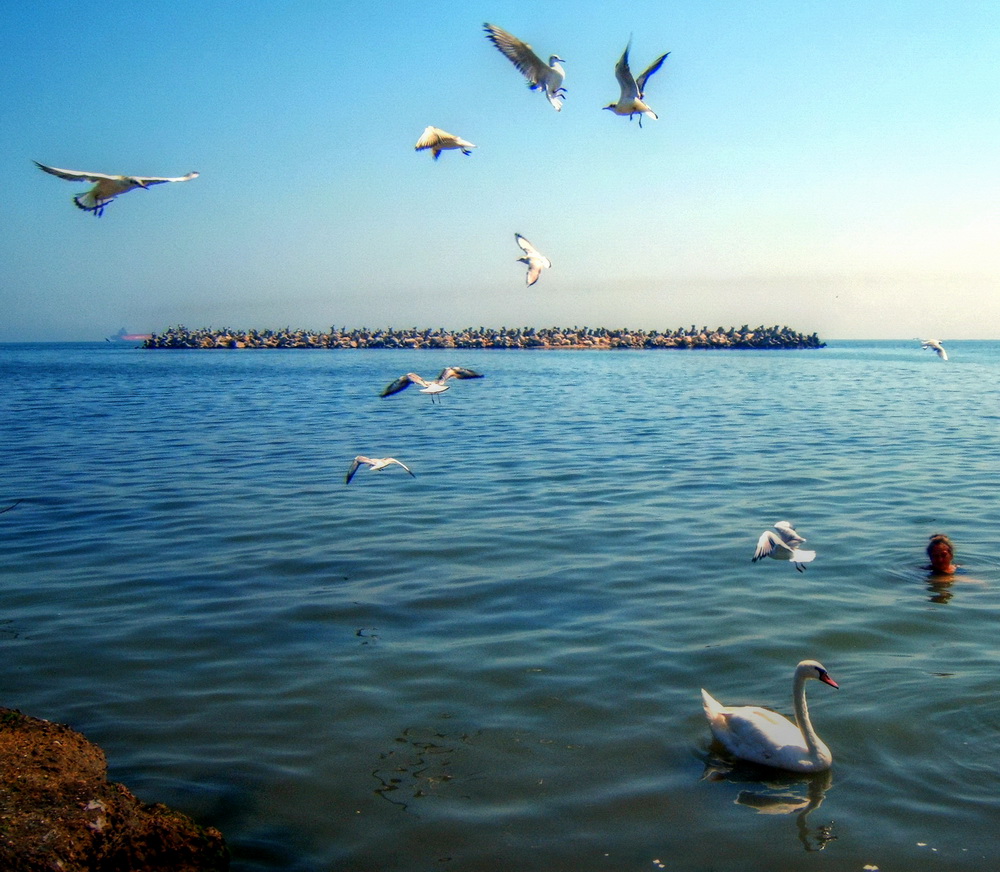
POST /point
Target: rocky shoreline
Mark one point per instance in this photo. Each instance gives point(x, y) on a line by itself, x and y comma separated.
point(58, 811)
point(522, 337)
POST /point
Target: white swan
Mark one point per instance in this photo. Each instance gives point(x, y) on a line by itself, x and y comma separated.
point(765, 737)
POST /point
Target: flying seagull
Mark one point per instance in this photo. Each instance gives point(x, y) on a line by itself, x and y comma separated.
point(630, 102)
point(107, 187)
point(375, 463)
point(783, 546)
point(936, 345)
point(540, 75)
point(437, 386)
point(438, 140)
point(533, 259)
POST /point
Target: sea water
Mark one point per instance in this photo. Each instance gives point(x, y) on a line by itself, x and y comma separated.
point(496, 664)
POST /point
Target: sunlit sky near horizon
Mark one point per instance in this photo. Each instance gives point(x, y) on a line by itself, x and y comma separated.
point(833, 167)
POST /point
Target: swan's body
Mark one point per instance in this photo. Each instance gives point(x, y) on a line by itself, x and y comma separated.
point(107, 187)
point(936, 345)
point(533, 259)
point(438, 140)
point(783, 545)
point(547, 77)
point(375, 464)
point(437, 386)
point(762, 736)
point(630, 100)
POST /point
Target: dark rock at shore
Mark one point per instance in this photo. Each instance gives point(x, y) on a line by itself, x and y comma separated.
point(59, 813)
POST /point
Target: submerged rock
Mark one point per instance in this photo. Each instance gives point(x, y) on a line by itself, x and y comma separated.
point(59, 812)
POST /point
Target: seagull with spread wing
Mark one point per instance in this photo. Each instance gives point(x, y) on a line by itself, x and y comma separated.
point(375, 464)
point(533, 259)
point(438, 140)
point(437, 386)
point(936, 345)
point(630, 101)
point(784, 545)
point(547, 77)
point(107, 187)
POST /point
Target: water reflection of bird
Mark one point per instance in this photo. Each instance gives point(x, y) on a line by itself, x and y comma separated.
point(936, 345)
point(437, 386)
point(783, 546)
point(762, 736)
point(375, 464)
point(107, 187)
point(547, 77)
point(630, 100)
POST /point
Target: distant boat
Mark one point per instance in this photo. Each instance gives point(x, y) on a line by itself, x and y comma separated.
point(122, 336)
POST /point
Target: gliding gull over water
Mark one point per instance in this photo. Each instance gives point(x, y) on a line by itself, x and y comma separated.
point(533, 259)
point(630, 101)
point(437, 386)
point(783, 546)
point(375, 464)
point(540, 75)
point(936, 345)
point(107, 187)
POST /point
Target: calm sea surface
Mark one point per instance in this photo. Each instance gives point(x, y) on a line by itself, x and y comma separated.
point(496, 665)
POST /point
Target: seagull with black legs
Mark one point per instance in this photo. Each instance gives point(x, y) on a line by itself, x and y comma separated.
point(375, 464)
point(437, 386)
point(783, 545)
point(936, 345)
point(633, 88)
point(533, 259)
point(438, 140)
point(107, 187)
point(546, 77)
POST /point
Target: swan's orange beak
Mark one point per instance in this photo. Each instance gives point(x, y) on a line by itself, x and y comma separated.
point(825, 678)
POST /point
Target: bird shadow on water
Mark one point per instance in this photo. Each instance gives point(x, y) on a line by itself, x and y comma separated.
point(773, 791)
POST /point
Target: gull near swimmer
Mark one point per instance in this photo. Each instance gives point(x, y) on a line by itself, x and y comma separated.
point(783, 545)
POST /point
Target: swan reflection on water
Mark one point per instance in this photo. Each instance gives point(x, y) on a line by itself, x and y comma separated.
point(772, 791)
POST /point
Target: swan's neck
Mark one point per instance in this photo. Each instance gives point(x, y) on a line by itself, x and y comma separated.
point(813, 742)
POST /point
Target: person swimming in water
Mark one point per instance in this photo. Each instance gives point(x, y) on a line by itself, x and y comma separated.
point(941, 553)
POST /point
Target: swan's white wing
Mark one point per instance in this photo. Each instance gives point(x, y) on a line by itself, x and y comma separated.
point(766, 545)
point(519, 53)
point(76, 175)
point(759, 735)
point(640, 81)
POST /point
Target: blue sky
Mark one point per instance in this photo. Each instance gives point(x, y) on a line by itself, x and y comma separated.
point(830, 166)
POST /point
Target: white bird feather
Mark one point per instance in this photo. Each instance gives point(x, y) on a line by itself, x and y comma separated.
point(107, 187)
